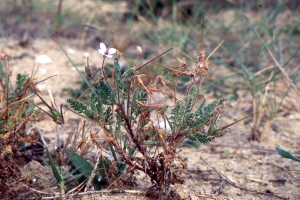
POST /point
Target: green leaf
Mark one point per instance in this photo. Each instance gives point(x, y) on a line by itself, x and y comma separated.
point(83, 166)
point(113, 152)
point(202, 138)
point(199, 111)
point(203, 114)
point(105, 94)
point(77, 105)
point(129, 72)
point(138, 97)
point(287, 154)
point(177, 114)
point(21, 78)
point(57, 175)
point(103, 167)
point(118, 75)
point(108, 116)
point(191, 143)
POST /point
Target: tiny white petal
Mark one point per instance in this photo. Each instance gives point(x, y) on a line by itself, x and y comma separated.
point(102, 46)
point(112, 51)
point(101, 51)
point(43, 59)
point(110, 56)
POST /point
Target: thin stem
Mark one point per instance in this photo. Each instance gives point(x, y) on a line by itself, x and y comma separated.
point(138, 68)
point(102, 68)
point(135, 140)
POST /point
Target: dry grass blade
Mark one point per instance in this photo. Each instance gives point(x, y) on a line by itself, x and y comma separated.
point(138, 68)
point(277, 64)
point(182, 52)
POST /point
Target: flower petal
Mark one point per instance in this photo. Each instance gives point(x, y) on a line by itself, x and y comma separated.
point(112, 51)
point(102, 46)
point(102, 51)
point(110, 56)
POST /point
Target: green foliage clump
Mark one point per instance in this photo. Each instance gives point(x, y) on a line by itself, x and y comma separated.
point(126, 110)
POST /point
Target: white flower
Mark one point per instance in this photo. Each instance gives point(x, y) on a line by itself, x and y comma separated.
point(106, 52)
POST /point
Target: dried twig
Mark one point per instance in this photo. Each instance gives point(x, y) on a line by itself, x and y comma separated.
point(93, 172)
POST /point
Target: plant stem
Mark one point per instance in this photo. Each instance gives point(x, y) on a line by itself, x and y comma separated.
point(135, 141)
point(102, 68)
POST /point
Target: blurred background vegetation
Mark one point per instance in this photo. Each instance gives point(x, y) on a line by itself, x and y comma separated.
point(242, 67)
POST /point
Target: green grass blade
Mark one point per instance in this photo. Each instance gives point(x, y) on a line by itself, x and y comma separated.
point(84, 167)
point(57, 175)
point(287, 154)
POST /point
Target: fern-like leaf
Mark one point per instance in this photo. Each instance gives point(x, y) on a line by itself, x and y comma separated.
point(204, 139)
point(77, 105)
point(21, 78)
point(105, 94)
point(204, 114)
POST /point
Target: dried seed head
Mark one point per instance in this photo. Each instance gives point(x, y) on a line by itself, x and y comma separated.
point(201, 56)
point(159, 106)
point(160, 134)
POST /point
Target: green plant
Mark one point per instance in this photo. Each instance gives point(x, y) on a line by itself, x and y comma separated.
point(17, 111)
point(262, 54)
point(287, 154)
point(132, 118)
point(81, 172)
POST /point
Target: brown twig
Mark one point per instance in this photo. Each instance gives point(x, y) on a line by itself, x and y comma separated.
point(93, 172)
point(118, 178)
point(118, 149)
point(138, 68)
point(130, 131)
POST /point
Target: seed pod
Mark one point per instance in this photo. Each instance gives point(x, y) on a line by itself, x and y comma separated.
point(88, 70)
point(129, 72)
